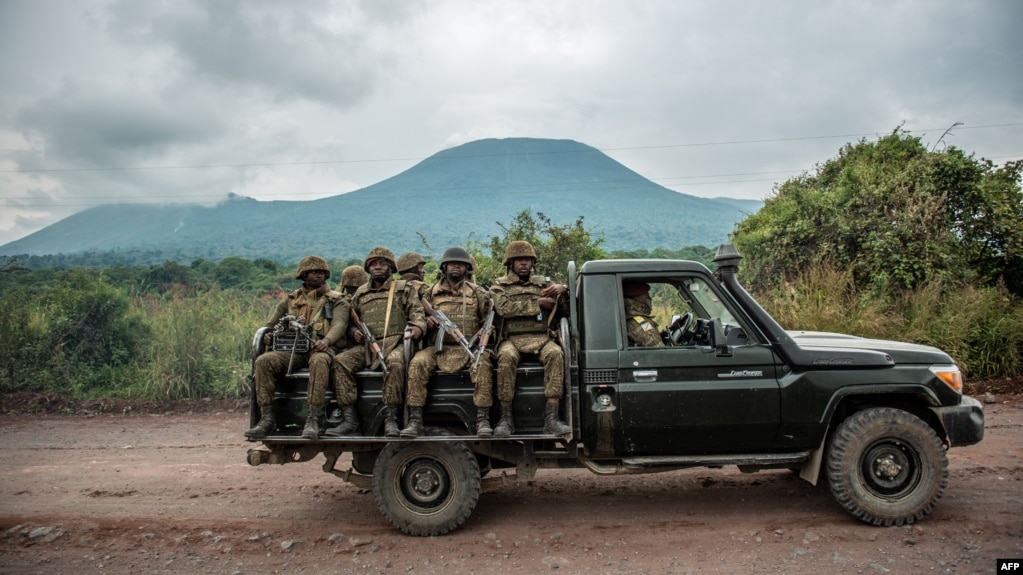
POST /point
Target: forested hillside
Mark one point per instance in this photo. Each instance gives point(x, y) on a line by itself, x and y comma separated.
point(454, 196)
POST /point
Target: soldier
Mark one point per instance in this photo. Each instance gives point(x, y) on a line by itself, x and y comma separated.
point(527, 306)
point(467, 306)
point(641, 327)
point(392, 313)
point(412, 268)
point(351, 278)
point(325, 312)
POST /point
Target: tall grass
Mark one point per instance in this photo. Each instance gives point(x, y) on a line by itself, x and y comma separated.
point(200, 344)
point(172, 346)
point(981, 328)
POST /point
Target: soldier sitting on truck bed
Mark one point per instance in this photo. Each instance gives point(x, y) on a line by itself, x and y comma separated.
point(325, 312)
point(466, 305)
point(351, 278)
point(412, 268)
point(391, 313)
point(527, 306)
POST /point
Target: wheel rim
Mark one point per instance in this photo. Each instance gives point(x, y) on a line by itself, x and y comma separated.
point(424, 484)
point(890, 469)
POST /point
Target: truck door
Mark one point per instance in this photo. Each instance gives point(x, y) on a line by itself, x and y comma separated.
point(695, 399)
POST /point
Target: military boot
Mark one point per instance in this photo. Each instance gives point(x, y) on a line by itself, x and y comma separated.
point(312, 423)
point(506, 426)
point(266, 423)
point(483, 428)
point(391, 421)
point(551, 424)
point(415, 423)
point(349, 423)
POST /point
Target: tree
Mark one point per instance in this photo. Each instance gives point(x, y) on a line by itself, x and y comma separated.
point(168, 273)
point(897, 214)
point(555, 246)
point(234, 272)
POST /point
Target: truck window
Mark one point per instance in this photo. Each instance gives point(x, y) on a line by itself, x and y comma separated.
point(707, 300)
point(656, 302)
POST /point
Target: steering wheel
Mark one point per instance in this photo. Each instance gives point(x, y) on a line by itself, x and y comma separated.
point(682, 330)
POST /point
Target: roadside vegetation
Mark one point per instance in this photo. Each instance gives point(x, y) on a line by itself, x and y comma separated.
point(888, 240)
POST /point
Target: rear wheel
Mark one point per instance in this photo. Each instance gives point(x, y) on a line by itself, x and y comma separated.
point(887, 467)
point(426, 488)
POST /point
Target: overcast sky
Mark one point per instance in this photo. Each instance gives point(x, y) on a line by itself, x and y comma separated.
point(174, 101)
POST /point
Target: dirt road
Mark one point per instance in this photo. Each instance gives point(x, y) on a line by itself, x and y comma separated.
point(172, 494)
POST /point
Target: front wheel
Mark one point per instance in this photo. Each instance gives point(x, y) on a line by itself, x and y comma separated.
point(887, 467)
point(426, 488)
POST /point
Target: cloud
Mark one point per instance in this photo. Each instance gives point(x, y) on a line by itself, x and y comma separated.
point(286, 50)
point(119, 100)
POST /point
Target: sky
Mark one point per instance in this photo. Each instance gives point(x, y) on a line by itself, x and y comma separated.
point(109, 101)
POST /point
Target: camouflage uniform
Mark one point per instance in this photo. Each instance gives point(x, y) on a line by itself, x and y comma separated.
point(371, 306)
point(467, 306)
point(351, 278)
point(311, 306)
point(641, 327)
point(408, 268)
point(525, 329)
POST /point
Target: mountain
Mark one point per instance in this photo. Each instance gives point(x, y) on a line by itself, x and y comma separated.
point(449, 197)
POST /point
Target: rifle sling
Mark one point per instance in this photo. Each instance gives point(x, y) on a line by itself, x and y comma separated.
point(387, 314)
point(387, 318)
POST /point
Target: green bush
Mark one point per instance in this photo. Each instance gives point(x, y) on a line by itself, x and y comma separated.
point(980, 327)
point(72, 336)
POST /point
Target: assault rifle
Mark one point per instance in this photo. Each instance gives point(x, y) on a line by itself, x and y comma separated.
point(446, 326)
point(371, 342)
point(484, 336)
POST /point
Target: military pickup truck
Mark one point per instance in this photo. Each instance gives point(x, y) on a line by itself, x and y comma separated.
point(730, 387)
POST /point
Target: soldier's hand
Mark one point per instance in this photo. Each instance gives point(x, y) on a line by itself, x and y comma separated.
point(554, 290)
point(546, 302)
point(413, 332)
point(320, 345)
point(267, 339)
point(432, 321)
point(357, 336)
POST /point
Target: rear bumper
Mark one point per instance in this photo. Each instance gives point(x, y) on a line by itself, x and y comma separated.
point(963, 423)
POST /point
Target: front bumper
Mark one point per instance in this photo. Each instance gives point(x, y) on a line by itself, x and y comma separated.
point(963, 423)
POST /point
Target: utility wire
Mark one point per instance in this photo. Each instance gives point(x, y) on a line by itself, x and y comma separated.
point(623, 186)
point(378, 160)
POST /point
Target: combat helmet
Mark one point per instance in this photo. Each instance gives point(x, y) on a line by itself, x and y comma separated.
point(518, 249)
point(380, 252)
point(353, 276)
point(309, 264)
point(408, 262)
point(457, 254)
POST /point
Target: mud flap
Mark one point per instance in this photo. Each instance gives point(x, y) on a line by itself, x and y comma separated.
point(811, 468)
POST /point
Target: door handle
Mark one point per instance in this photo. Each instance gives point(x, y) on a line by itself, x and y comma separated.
point(645, 375)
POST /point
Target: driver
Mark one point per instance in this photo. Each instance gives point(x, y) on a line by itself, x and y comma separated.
point(642, 329)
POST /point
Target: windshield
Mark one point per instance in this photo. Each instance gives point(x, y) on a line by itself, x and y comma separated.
point(704, 298)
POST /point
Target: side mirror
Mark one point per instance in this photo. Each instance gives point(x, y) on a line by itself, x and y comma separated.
point(717, 338)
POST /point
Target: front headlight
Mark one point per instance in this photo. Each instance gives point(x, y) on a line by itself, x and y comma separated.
point(951, 375)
